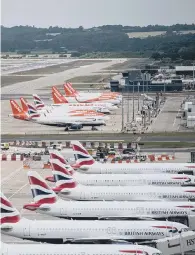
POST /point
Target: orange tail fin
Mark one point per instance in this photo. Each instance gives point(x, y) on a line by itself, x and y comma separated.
point(69, 90)
point(58, 98)
point(18, 113)
point(24, 104)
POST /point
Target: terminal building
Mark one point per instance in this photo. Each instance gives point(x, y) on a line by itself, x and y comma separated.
point(138, 80)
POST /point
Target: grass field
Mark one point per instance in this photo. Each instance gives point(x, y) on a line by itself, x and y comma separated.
point(154, 33)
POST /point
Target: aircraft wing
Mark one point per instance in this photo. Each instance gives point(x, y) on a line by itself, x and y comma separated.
point(99, 238)
point(143, 217)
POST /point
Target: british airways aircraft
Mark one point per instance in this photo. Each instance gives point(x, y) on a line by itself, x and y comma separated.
point(67, 187)
point(183, 212)
point(77, 249)
point(62, 231)
point(86, 163)
point(124, 179)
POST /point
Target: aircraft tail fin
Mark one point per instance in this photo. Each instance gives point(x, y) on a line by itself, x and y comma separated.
point(41, 192)
point(9, 214)
point(32, 111)
point(69, 90)
point(38, 102)
point(81, 154)
point(61, 174)
point(17, 111)
point(58, 98)
point(24, 104)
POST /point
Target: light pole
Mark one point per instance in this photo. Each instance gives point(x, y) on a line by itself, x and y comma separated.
point(122, 124)
point(138, 84)
point(133, 104)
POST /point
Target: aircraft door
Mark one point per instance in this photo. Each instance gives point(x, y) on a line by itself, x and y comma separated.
point(82, 195)
point(26, 231)
point(63, 212)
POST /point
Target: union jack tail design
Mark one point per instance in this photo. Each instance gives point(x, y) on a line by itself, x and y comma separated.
point(9, 214)
point(41, 192)
point(32, 111)
point(69, 90)
point(81, 154)
point(57, 155)
point(38, 102)
point(62, 177)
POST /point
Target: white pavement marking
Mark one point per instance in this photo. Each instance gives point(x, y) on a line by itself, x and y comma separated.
point(18, 190)
point(11, 175)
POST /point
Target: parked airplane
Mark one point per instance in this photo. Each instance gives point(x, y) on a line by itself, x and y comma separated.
point(63, 111)
point(91, 98)
point(86, 163)
point(40, 105)
point(71, 92)
point(34, 116)
point(69, 122)
point(67, 187)
point(124, 179)
point(58, 98)
point(183, 212)
point(62, 231)
point(77, 249)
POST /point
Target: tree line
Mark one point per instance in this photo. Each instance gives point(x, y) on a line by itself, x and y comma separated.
point(112, 39)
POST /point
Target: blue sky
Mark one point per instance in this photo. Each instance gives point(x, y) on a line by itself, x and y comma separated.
point(89, 13)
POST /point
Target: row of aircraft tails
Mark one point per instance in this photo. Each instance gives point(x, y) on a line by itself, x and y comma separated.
point(72, 111)
point(121, 214)
point(114, 197)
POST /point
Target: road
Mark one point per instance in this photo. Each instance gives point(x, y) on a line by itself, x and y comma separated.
point(180, 137)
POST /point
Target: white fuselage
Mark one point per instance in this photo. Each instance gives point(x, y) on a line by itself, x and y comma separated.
point(91, 106)
point(60, 231)
point(133, 179)
point(139, 168)
point(87, 99)
point(77, 249)
point(62, 109)
point(128, 193)
point(49, 119)
point(119, 210)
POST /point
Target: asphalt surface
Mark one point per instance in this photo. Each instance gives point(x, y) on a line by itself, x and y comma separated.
point(190, 138)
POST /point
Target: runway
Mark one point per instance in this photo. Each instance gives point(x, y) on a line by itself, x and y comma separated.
point(99, 136)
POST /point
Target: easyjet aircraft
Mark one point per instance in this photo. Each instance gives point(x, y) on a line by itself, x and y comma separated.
point(77, 249)
point(183, 212)
point(58, 98)
point(67, 187)
point(86, 163)
point(124, 179)
point(64, 111)
point(71, 92)
point(61, 231)
point(40, 105)
point(69, 122)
